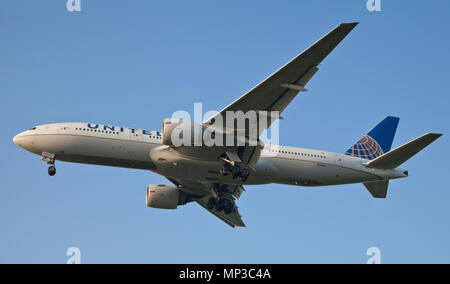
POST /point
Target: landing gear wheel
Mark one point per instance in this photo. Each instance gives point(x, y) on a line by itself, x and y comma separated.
point(245, 173)
point(227, 167)
point(51, 171)
point(220, 206)
point(229, 207)
point(235, 172)
point(212, 203)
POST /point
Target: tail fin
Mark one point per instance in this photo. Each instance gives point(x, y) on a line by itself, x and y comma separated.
point(377, 142)
point(403, 153)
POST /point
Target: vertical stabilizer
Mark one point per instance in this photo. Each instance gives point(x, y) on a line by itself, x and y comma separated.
point(377, 142)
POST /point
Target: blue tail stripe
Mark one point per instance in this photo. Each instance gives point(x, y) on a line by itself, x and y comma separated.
point(377, 142)
point(384, 132)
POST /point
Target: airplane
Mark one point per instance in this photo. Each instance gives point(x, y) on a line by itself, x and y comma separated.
point(214, 177)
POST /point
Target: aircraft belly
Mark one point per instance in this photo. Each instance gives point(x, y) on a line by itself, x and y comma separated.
point(346, 175)
point(305, 173)
point(171, 164)
point(179, 167)
point(96, 147)
point(208, 172)
point(96, 150)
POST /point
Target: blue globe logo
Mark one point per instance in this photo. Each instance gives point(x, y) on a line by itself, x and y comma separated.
point(366, 148)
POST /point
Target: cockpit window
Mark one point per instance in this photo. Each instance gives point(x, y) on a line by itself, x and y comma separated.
point(34, 128)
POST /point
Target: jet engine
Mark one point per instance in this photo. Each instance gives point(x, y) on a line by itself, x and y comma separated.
point(165, 196)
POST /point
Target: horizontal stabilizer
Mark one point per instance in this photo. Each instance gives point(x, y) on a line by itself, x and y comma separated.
point(378, 189)
point(398, 156)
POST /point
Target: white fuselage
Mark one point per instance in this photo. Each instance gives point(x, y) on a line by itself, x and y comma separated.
point(131, 148)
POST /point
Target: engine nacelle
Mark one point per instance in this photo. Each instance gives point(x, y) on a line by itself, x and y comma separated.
point(164, 196)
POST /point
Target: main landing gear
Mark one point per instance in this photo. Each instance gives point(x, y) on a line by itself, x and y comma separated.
point(221, 204)
point(50, 159)
point(235, 171)
point(222, 199)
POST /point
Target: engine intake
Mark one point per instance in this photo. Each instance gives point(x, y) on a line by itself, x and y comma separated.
point(163, 196)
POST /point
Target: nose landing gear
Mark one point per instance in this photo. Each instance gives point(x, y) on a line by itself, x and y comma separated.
point(50, 159)
point(51, 171)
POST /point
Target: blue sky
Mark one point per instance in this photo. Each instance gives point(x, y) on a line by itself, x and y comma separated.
point(134, 63)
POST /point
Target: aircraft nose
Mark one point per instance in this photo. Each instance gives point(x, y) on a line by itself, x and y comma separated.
point(17, 139)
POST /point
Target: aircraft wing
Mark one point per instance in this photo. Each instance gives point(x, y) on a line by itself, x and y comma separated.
point(273, 94)
point(278, 90)
point(234, 219)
